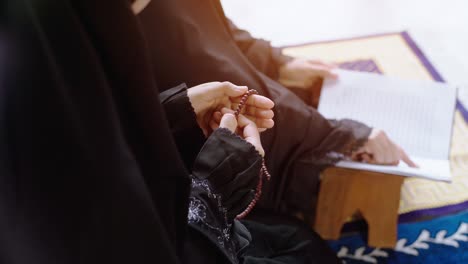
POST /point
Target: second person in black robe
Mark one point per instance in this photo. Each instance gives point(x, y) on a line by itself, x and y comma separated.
point(193, 42)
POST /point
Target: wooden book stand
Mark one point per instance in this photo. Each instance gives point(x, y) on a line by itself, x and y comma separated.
point(376, 196)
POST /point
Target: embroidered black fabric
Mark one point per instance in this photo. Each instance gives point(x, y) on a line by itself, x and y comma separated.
point(225, 173)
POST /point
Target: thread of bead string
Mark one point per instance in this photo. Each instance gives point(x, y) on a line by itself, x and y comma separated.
point(263, 170)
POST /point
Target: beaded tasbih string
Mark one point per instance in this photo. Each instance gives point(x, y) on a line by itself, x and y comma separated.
point(263, 172)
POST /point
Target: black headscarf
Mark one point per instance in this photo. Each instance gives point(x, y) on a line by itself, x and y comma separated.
point(89, 172)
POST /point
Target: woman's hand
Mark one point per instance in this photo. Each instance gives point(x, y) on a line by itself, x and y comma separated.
point(380, 149)
point(305, 74)
point(262, 123)
point(210, 97)
point(246, 128)
point(139, 5)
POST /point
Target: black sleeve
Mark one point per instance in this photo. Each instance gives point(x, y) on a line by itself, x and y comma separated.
point(346, 137)
point(225, 176)
point(230, 168)
point(183, 123)
point(260, 53)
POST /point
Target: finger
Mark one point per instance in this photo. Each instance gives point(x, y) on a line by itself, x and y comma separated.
point(379, 148)
point(357, 155)
point(329, 65)
point(385, 159)
point(215, 90)
point(229, 121)
point(361, 150)
point(382, 162)
point(215, 120)
point(262, 130)
point(232, 90)
point(332, 75)
point(251, 131)
point(390, 152)
point(256, 100)
point(261, 122)
point(217, 116)
point(372, 152)
point(376, 162)
point(225, 110)
point(394, 153)
point(251, 134)
point(367, 158)
point(406, 159)
point(323, 71)
point(258, 112)
point(244, 121)
point(214, 125)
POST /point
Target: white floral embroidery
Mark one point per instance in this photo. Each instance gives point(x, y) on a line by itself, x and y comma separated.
point(423, 240)
point(370, 257)
point(197, 214)
point(202, 184)
point(197, 210)
point(421, 243)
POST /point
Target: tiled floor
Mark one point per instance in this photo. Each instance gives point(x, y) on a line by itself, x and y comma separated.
point(440, 27)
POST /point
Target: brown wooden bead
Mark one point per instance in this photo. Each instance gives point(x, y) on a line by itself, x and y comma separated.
point(263, 171)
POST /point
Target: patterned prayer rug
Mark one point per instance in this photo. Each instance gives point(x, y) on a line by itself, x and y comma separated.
point(438, 241)
point(396, 54)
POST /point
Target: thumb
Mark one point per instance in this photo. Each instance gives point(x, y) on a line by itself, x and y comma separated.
point(229, 121)
point(232, 90)
point(251, 133)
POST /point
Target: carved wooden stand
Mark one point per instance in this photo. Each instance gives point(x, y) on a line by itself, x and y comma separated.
point(343, 192)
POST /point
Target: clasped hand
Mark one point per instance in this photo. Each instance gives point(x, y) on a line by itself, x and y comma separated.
point(208, 98)
point(214, 103)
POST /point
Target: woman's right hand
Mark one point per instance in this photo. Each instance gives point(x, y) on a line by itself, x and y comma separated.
point(380, 149)
point(244, 127)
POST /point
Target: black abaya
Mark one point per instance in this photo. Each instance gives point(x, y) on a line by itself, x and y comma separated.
point(89, 170)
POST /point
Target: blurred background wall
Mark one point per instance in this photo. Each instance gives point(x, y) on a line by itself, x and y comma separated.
point(439, 27)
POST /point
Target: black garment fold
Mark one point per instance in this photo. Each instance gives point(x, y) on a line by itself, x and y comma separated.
point(89, 170)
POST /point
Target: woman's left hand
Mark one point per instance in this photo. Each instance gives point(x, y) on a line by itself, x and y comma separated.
point(245, 128)
point(304, 73)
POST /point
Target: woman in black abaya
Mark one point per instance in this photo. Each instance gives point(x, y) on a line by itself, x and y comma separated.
point(90, 172)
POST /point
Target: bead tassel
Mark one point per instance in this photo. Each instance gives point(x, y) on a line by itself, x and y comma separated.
point(263, 171)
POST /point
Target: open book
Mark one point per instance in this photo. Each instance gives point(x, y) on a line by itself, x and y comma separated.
point(416, 115)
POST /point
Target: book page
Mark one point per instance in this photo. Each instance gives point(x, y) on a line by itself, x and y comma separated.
point(435, 169)
point(416, 115)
